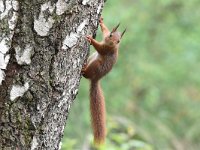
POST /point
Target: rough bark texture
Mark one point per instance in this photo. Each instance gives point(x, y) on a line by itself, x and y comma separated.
point(42, 49)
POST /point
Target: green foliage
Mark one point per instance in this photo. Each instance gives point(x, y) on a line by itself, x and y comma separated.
point(70, 143)
point(155, 84)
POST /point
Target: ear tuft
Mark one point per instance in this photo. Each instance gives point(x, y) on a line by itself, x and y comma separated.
point(123, 33)
point(115, 28)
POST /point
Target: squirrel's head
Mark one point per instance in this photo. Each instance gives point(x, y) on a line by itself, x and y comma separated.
point(114, 37)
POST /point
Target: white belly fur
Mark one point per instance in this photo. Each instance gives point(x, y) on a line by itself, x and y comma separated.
point(93, 57)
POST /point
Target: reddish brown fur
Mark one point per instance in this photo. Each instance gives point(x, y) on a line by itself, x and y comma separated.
point(98, 114)
point(98, 65)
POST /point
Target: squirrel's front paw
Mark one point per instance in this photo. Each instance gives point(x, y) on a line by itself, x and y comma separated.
point(89, 38)
point(101, 20)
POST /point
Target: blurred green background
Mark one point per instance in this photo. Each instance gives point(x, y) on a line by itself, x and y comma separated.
point(153, 92)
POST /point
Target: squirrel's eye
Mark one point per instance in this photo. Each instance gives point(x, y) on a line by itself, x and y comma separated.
point(118, 41)
point(110, 35)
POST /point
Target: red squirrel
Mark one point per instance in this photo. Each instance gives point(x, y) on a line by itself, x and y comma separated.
point(97, 66)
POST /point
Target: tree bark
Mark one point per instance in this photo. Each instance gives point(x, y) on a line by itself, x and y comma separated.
point(42, 49)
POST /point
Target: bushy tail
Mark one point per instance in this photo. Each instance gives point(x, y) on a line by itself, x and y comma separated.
point(98, 115)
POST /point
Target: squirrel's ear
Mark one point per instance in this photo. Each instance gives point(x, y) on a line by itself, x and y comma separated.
point(115, 28)
point(123, 33)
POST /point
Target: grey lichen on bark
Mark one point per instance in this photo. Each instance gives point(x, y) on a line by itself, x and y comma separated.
point(42, 50)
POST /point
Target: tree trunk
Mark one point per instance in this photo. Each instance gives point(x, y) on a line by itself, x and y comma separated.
point(42, 49)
